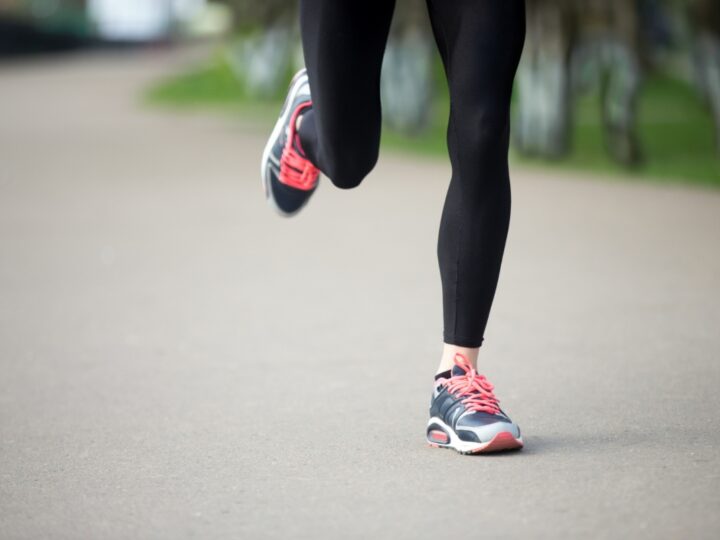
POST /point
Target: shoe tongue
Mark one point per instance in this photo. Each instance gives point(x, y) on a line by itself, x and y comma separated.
point(298, 147)
point(457, 371)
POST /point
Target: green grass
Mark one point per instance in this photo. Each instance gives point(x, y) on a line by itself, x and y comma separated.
point(210, 86)
point(675, 131)
point(675, 128)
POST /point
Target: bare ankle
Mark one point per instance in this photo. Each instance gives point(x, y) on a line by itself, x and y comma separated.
point(448, 356)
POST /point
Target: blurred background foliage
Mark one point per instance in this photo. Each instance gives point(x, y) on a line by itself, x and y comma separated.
point(627, 86)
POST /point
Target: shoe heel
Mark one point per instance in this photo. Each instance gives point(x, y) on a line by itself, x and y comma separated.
point(437, 436)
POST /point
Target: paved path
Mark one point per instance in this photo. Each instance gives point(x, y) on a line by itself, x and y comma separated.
point(177, 362)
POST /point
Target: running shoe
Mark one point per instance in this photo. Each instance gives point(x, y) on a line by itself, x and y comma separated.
point(466, 415)
point(288, 177)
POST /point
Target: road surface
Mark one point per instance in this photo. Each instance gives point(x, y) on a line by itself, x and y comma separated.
point(178, 362)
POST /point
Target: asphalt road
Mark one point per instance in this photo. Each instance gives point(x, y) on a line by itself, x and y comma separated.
point(178, 362)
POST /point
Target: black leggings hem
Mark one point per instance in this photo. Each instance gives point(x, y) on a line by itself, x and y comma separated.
point(459, 341)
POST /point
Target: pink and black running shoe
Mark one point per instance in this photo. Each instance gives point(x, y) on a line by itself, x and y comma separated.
point(288, 177)
point(466, 415)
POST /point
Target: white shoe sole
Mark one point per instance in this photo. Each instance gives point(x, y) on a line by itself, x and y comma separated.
point(445, 437)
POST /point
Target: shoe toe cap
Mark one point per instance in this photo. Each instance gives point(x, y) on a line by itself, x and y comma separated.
point(287, 199)
point(483, 427)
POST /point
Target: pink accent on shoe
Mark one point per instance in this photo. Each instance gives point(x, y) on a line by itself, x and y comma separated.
point(502, 441)
point(475, 388)
point(295, 169)
point(439, 436)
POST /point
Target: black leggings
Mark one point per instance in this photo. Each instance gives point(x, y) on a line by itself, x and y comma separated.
point(480, 42)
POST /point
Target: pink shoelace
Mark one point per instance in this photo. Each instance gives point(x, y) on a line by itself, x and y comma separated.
point(475, 388)
point(295, 169)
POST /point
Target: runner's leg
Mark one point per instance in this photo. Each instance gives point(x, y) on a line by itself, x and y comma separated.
point(344, 42)
point(480, 42)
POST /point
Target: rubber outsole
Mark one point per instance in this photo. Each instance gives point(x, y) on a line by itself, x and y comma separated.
point(441, 435)
point(500, 442)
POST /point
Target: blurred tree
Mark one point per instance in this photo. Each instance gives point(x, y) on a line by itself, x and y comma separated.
point(575, 45)
point(261, 56)
point(542, 121)
point(407, 73)
point(606, 54)
point(252, 15)
point(11, 6)
point(704, 16)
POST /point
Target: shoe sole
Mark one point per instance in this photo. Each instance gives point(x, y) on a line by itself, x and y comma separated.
point(445, 437)
point(295, 85)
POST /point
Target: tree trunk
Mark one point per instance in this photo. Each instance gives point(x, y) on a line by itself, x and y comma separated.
point(261, 60)
point(606, 57)
point(705, 20)
point(542, 118)
point(407, 73)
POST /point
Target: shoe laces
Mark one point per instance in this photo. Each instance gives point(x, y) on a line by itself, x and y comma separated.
point(295, 169)
point(476, 390)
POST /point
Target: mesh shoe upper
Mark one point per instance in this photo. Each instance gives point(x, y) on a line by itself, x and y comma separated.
point(467, 404)
point(290, 178)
